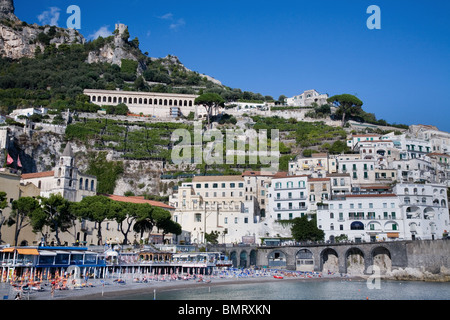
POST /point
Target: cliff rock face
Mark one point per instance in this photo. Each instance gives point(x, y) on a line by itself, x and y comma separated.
point(113, 53)
point(7, 10)
point(19, 39)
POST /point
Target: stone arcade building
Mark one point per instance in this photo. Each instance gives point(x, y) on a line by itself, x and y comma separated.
point(160, 105)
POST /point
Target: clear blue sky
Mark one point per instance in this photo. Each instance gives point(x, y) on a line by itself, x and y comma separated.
point(401, 72)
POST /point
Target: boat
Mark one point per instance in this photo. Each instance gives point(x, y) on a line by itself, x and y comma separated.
point(278, 277)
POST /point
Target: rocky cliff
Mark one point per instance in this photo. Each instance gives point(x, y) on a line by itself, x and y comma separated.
point(114, 52)
point(7, 10)
point(18, 39)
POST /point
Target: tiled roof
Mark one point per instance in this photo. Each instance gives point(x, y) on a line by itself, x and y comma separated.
point(38, 175)
point(139, 200)
point(375, 195)
point(216, 178)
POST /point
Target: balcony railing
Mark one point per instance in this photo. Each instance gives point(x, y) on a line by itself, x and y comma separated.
point(291, 208)
point(291, 198)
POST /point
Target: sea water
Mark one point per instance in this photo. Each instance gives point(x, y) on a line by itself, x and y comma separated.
point(306, 290)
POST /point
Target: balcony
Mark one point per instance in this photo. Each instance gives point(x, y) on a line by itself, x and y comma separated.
point(291, 198)
point(291, 208)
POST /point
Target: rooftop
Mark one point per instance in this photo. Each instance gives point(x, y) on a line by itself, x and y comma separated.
point(139, 200)
point(38, 175)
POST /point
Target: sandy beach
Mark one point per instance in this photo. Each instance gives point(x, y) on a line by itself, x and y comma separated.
point(97, 289)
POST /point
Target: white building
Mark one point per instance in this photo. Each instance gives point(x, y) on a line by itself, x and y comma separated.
point(362, 217)
point(307, 98)
point(288, 197)
point(28, 112)
point(424, 209)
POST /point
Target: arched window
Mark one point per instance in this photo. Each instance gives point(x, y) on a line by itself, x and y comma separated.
point(92, 185)
point(331, 215)
point(190, 103)
point(357, 225)
point(81, 184)
point(86, 184)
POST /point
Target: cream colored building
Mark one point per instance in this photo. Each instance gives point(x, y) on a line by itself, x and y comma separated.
point(216, 203)
point(317, 163)
point(10, 183)
point(159, 105)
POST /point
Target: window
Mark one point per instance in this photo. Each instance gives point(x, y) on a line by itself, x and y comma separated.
point(331, 215)
point(215, 185)
point(236, 220)
point(241, 185)
point(198, 217)
point(198, 185)
point(225, 220)
point(232, 185)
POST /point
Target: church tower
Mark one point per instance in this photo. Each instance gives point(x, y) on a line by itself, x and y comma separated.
point(66, 175)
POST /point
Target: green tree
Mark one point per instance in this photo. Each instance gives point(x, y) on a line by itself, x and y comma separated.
point(96, 209)
point(144, 220)
point(21, 216)
point(106, 171)
point(306, 230)
point(124, 214)
point(212, 237)
point(347, 105)
point(210, 101)
point(55, 214)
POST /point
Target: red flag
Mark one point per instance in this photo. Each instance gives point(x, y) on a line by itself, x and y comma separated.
point(9, 160)
point(19, 164)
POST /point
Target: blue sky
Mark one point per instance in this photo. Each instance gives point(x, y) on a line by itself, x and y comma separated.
point(401, 72)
